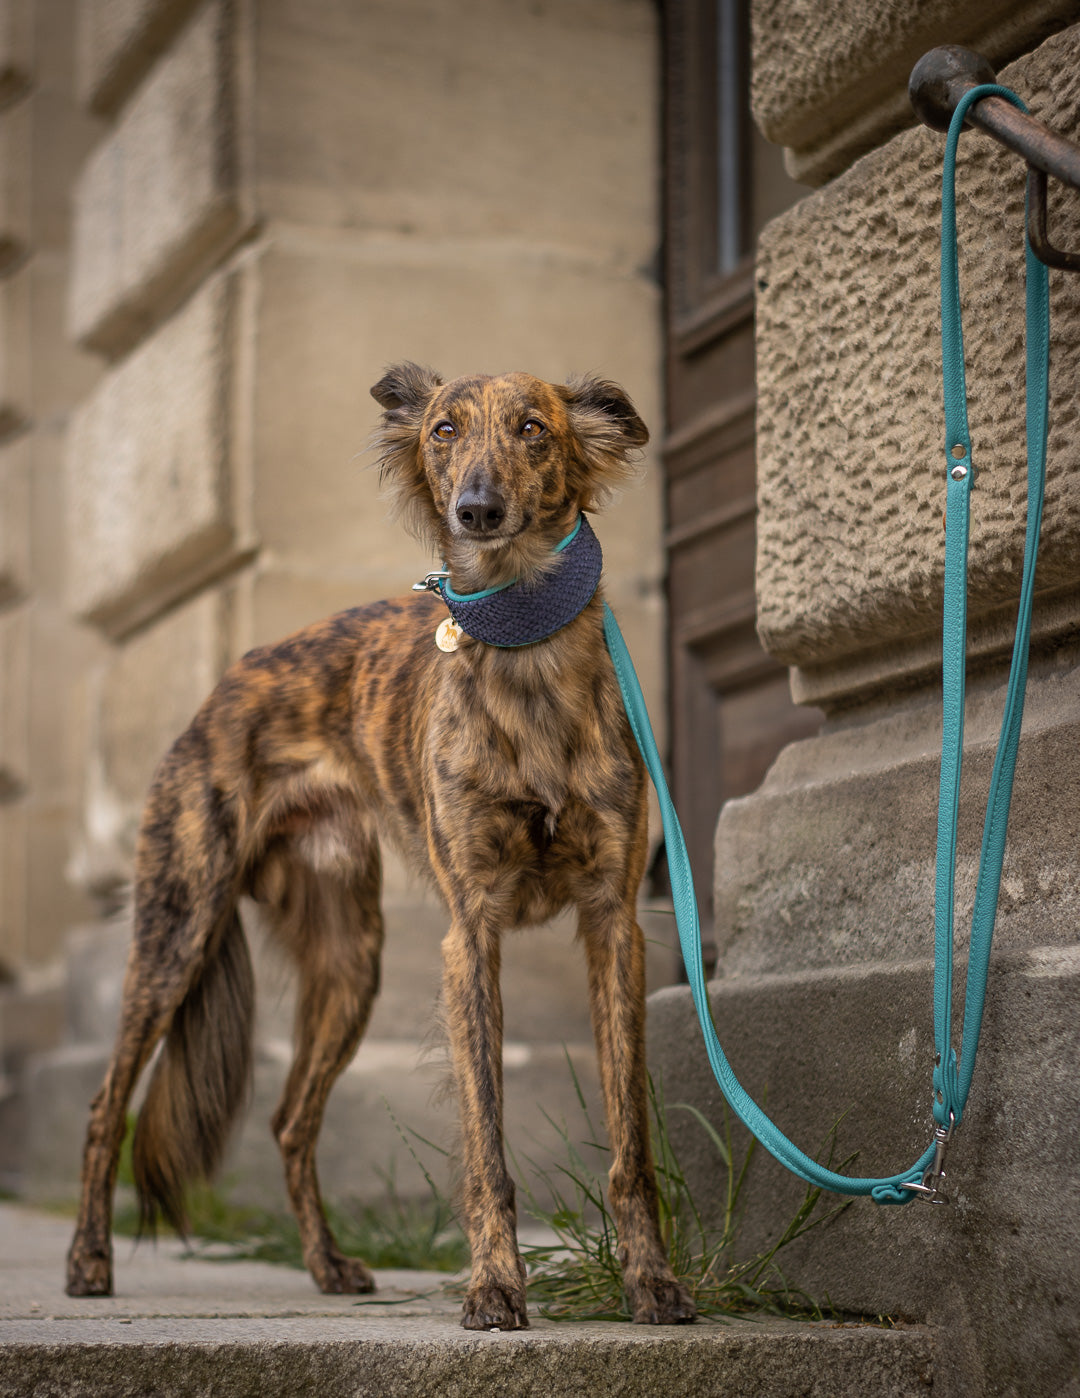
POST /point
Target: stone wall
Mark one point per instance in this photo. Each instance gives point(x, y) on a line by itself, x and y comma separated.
point(851, 554)
point(44, 654)
point(825, 875)
point(829, 80)
point(276, 200)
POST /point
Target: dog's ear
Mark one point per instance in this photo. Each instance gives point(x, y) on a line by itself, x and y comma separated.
point(609, 431)
point(407, 386)
point(403, 393)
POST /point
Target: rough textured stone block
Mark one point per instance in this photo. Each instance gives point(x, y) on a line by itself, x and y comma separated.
point(158, 200)
point(851, 462)
point(14, 519)
point(148, 469)
point(830, 80)
point(118, 41)
point(999, 1268)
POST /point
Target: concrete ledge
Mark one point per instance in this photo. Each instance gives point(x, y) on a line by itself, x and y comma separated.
point(247, 1329)
point(406, 1357)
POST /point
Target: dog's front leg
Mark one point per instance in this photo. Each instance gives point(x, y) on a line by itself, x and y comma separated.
point(615, 950)
point(496, 1296)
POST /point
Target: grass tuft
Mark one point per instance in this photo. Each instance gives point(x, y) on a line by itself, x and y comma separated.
point(393, 1233)
point(396, 1232)
point(578, 1277)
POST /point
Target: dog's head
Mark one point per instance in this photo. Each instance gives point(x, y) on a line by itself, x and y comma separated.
point(494, 470)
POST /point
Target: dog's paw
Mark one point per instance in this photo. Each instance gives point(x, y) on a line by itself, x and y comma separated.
point(89, 1274)
point(338, 1275)
point(661, 1301)
point(494, 1308)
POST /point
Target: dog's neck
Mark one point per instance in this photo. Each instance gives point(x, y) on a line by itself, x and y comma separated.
point(524, 559)
point(524, 610)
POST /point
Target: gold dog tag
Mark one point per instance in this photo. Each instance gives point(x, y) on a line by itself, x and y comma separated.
point(448, 636)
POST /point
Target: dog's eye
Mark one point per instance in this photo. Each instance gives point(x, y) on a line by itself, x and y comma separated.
point(532, 428)
point(446, 430)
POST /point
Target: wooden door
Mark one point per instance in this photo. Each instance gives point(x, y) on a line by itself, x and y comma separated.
point(730, 706)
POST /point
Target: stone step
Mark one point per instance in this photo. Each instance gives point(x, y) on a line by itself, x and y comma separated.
point(31, 1021)
point(401, 1064)
point(384, 1109)
point(247, 1330)
point(405, 1356)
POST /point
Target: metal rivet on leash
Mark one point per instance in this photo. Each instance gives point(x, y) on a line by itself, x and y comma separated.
point(958, 473)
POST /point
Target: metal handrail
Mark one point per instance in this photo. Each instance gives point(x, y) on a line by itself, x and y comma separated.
point(940, 79)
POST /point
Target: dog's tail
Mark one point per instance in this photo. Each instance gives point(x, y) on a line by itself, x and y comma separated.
point(200, 1082)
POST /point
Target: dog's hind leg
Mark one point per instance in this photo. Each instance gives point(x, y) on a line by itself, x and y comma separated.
point(187, 947)
point(89, 1264)
point(332, 925)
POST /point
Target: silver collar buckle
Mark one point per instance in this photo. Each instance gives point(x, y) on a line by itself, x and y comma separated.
point(431, 581)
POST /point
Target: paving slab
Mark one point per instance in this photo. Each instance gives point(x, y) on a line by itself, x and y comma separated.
point(186, 1325)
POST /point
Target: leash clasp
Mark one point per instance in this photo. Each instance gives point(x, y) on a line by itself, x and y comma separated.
point(931, 1188)
point(431, 581)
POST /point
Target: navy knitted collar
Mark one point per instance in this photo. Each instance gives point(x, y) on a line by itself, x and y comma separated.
point(521, 613)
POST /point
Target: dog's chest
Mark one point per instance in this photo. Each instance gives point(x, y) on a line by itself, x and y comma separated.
point(514, 730)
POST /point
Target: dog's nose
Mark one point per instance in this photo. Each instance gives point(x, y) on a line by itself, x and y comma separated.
point(481, 510)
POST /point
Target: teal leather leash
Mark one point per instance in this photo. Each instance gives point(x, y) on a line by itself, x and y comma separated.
point(952, 1082)
point(952, 1079)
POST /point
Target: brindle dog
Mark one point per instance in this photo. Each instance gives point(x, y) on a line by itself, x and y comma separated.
point(509, 775)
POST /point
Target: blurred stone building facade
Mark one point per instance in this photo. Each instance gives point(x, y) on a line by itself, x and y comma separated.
point(219, 220)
